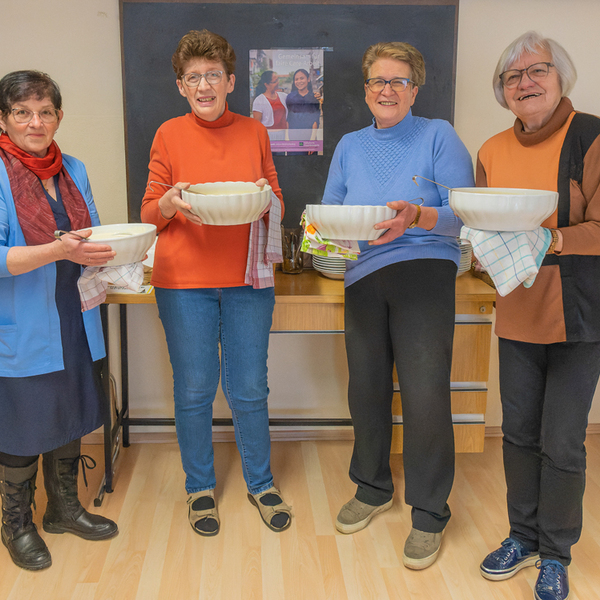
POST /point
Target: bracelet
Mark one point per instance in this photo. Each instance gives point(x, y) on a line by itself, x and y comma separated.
point(416, 221)
point(553, 242)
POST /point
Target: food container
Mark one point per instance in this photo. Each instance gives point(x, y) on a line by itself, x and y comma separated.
point(346, 222)
point(502, 209)
point(131, 241)
point(227, 202)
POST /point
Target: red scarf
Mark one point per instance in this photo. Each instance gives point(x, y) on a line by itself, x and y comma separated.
point(33, 211)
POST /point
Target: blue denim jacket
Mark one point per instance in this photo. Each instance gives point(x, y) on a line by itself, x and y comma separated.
point(30, 341)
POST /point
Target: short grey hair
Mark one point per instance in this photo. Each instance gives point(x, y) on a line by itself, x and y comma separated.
point(532, 42)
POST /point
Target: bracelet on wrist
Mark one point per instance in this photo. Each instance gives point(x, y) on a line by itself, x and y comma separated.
point(416, 220)
point(554, 241)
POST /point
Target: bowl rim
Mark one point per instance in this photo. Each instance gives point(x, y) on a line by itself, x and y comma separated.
point(504, 191)
point(150, 228)
point(259, 190)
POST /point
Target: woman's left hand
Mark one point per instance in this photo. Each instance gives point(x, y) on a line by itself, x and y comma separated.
point(85, 253)
point(399, 224)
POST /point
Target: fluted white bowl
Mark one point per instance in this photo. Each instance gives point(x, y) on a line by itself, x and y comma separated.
point(227, 202)
point(345, 222)
point(131, 241)
point(503, 209)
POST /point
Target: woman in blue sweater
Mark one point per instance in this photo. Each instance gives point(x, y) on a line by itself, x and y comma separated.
point(400, 298)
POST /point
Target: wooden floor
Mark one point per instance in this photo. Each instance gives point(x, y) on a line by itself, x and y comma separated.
point(158, 557)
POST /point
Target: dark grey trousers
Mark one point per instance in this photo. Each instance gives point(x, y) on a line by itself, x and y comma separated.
point(403, 313)
point(546, 393)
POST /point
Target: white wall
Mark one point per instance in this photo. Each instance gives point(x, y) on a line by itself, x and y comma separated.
point(78, 43)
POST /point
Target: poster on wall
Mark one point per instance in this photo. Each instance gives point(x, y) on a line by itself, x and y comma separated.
point(286, 95)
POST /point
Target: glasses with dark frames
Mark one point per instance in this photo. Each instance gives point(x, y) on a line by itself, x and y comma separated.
point(398, 84)
point(536, 72)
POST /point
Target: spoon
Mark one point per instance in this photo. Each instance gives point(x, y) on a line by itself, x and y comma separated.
point(59, 233)
point(430, 180)
point(161, 183)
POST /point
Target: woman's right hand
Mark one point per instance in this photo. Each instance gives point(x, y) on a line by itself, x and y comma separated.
point(171, 202)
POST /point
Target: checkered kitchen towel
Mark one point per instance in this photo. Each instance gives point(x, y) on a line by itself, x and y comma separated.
point(264, 248)
point(94, 281)
point(510, 258)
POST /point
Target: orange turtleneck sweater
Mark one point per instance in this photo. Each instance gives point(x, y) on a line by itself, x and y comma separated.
point(232, 148)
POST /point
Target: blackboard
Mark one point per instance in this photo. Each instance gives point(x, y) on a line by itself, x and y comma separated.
point(151, 31)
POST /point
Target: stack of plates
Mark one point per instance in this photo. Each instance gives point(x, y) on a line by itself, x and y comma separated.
point(330, 266)
point(465, 256)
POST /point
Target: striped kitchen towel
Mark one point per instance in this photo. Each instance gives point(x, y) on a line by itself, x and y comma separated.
point(510, 258)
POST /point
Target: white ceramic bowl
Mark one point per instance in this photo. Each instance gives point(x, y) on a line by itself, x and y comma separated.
point(227, 202)
point(503, 209)
point(341, 222)
point(130, 241)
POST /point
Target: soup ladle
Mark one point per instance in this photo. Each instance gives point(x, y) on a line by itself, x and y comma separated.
point(430, 180)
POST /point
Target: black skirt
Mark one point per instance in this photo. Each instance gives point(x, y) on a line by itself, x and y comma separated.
point(43, 412)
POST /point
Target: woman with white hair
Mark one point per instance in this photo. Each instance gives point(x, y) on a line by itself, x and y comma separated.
point(549, 334)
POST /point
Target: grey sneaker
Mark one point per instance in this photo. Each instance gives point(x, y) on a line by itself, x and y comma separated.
point(356, 515)
point(421, 549)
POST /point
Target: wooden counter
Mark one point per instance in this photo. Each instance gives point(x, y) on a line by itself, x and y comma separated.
point(310, 302)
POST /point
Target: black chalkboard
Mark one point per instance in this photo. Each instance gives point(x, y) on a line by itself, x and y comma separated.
point(151, 31)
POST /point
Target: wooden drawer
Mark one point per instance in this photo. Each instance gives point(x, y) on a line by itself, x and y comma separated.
point(308, 317)
point(468, 437)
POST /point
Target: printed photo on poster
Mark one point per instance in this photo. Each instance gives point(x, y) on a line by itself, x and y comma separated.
point(286, 96)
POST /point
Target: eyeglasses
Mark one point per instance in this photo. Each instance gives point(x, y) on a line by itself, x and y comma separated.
point(193, 79)
point(398, 84)
point(536, 72)
point(47, 115)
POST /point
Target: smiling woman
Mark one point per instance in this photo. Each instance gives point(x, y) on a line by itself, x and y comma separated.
point(388, 321)
point(549, 334)
point(50, 390)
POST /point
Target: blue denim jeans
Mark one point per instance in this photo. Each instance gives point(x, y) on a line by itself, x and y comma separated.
point(196, 321)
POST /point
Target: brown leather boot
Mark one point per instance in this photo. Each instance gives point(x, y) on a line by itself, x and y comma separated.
point(19, 533)
point(64, 513)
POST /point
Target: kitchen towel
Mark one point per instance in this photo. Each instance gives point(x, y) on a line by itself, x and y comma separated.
point(510, 258)
point(314, 243)
point(264, 248)
point(94, 281)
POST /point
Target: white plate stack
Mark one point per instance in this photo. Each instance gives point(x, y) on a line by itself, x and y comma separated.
point(465, 256)
point(330, 266)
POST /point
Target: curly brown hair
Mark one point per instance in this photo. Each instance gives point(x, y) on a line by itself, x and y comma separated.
point(203, 44)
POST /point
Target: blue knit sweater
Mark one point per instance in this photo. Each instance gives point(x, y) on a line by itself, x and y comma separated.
point(374, 166)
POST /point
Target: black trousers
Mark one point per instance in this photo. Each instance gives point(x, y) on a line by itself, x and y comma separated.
point(403, 313)
point(546, 393)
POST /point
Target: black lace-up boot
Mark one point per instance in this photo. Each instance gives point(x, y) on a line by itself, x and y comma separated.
point(19, 533)
point(64, 513)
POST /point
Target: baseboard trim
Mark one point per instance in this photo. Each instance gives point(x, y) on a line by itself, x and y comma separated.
point(284, 434)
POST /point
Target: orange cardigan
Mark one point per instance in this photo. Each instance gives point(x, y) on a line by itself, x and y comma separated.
point(232, 148)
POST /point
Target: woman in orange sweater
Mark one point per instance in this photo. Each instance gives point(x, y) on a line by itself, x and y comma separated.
point(549, 334)
point(202, 274)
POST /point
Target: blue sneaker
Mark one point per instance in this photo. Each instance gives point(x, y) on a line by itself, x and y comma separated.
point(552, 582)
point(509, 559)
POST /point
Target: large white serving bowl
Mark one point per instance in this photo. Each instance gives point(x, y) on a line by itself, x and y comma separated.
point(342, 222)
point(503, 209)
point(130, 241)
point(227, 202)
